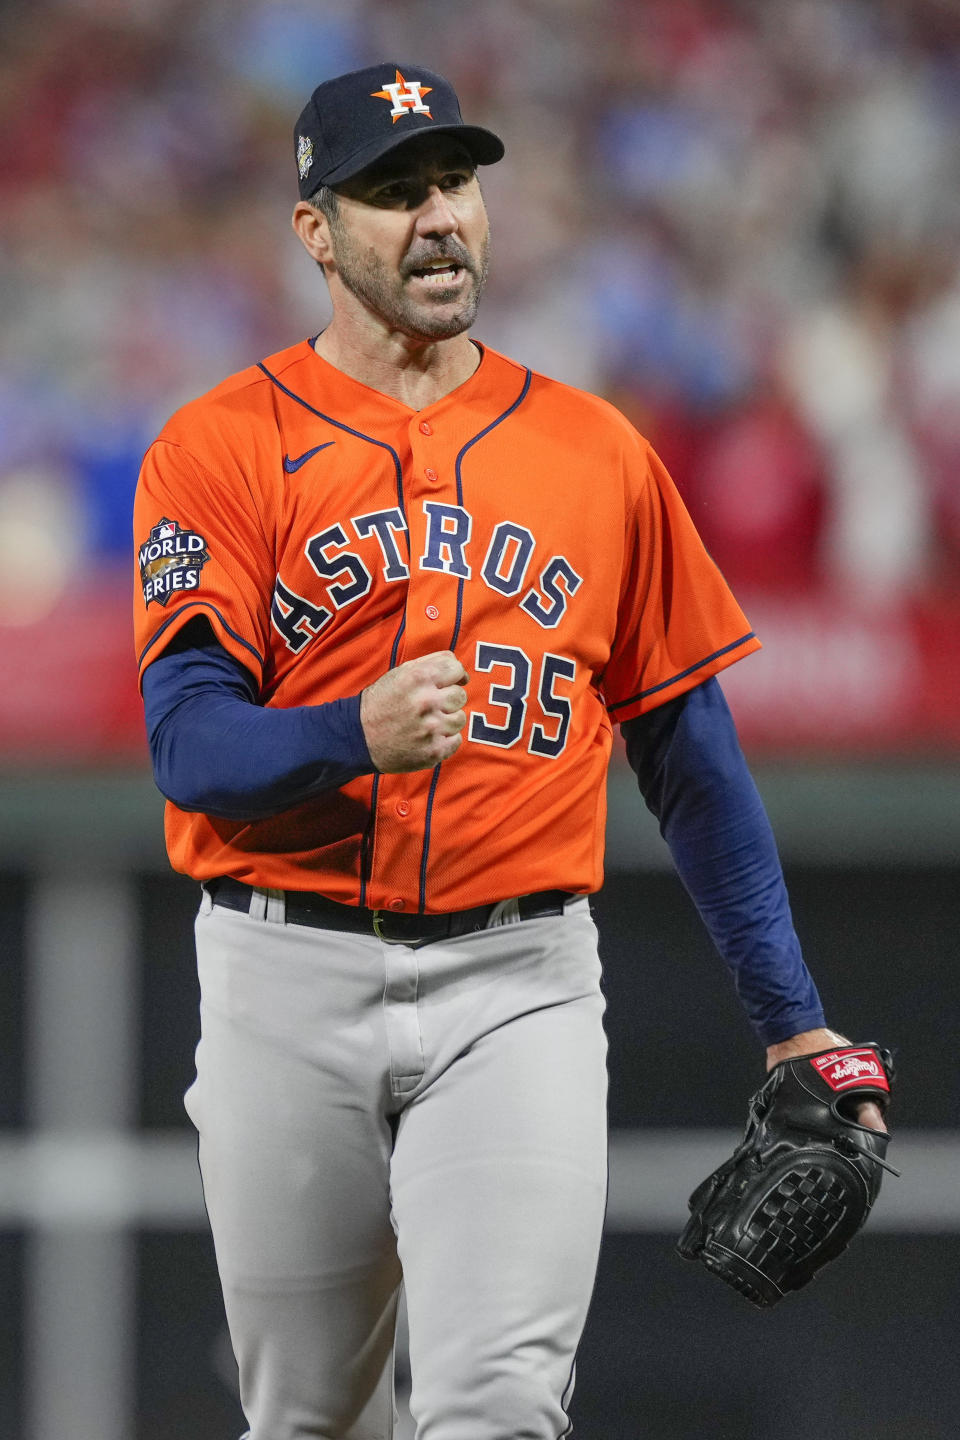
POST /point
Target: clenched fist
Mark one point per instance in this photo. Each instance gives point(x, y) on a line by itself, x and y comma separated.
point(412, 716)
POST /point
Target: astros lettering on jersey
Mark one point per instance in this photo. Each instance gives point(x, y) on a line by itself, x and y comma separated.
point(490, 523)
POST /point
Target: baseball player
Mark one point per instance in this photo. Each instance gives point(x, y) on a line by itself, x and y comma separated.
point(393, 592)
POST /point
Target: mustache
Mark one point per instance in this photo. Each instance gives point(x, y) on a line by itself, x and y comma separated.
point(450, 250)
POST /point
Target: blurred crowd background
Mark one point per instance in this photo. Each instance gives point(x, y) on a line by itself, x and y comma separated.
point(738, 221)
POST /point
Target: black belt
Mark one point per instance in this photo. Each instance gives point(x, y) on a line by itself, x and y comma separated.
point(303, 907)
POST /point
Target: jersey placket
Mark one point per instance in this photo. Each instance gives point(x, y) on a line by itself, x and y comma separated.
point(437, 533)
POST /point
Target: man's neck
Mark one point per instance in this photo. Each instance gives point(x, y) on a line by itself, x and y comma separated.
point(417, 373)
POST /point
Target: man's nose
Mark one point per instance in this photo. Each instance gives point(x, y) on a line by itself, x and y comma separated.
point(436, 215)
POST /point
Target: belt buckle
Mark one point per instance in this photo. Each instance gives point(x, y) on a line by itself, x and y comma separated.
point(413, 941)
point(378, 919)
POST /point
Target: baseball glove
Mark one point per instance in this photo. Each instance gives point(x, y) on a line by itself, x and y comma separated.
point(801, 1182)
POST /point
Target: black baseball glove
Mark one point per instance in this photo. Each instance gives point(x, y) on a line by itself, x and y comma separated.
point(801, 1182)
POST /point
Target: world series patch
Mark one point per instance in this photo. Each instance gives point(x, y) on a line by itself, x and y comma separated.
point(171, 560)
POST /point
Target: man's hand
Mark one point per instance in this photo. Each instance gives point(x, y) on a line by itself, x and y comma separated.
point(412, 716)
point(802, 1181)
point(810, 1042)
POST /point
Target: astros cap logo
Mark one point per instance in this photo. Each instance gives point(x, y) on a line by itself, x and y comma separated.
point(404, 95)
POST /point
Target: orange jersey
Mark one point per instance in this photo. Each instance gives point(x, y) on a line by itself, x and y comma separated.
point(329, 532)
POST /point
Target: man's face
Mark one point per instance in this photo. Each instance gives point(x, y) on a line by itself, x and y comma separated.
point(410, 239)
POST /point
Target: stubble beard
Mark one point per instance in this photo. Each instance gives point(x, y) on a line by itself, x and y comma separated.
point(435, 317)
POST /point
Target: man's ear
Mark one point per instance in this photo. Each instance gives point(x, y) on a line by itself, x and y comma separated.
point(313, 229)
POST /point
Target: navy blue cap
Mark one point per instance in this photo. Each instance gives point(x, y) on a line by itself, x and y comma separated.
point(352, 120)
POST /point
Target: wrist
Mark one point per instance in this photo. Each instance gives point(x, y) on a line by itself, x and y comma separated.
point(807, 1042)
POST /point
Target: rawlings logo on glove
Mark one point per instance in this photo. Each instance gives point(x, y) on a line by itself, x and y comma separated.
point(843, 1068)
point(802, 1181)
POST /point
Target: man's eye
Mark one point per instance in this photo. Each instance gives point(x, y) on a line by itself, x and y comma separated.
point(455, 180)
point(395, 191)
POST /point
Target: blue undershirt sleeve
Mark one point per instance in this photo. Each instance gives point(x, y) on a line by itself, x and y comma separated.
point(694, 779)
point(216, 750)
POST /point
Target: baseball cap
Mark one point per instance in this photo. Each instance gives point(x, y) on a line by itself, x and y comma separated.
point(352, 120)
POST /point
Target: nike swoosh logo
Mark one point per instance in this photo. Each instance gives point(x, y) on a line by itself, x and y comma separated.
point(291, 466)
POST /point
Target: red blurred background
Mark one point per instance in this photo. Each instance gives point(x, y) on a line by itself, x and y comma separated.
point(737, 221)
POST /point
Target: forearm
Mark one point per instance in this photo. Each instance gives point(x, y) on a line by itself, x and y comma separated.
point(695, 780)
point(215, 750)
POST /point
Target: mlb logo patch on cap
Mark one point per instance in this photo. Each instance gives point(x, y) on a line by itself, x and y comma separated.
point(304, 155)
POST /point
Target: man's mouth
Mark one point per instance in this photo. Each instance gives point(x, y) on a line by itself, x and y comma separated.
point(438, 273)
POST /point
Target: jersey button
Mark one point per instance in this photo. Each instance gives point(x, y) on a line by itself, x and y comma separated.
point(431, 475)
point(395, 904)
point(425, 428)
point(432, 613)
point(403, 807)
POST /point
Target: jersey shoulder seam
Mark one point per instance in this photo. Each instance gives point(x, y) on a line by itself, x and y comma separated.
point(190, 455)
point(591, 401)
point(249, 378)
point(208, 476)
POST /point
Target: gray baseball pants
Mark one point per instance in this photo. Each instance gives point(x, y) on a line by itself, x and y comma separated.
point(372, 1114)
